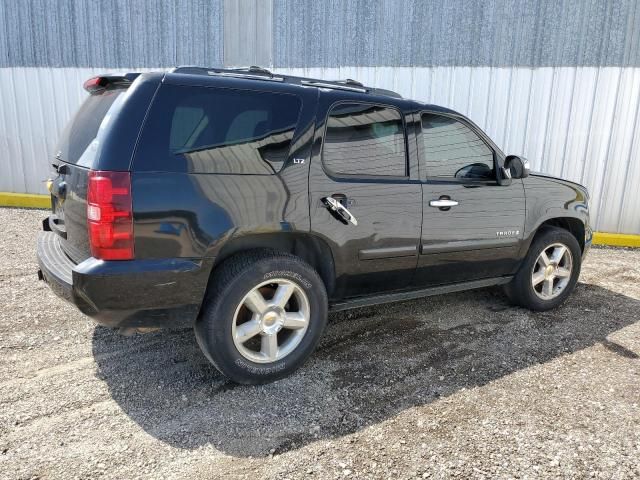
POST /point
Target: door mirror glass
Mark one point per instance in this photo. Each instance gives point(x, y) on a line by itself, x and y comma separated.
point(475, 171)
point(518, 166)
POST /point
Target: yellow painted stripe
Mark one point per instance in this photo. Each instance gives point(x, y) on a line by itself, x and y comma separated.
point(616, 239)
point(27, 200)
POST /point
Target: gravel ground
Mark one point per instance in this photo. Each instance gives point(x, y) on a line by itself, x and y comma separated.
point(459, 385)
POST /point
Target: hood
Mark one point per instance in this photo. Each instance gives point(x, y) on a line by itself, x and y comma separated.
point(560, 180)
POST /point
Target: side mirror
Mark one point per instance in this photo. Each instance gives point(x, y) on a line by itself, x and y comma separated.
point(517, 167)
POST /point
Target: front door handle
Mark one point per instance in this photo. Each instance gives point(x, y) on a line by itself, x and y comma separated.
point(339, 210)
point(443, 203)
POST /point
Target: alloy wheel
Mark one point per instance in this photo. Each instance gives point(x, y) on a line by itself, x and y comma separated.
point(270, 321)
point(552, 271)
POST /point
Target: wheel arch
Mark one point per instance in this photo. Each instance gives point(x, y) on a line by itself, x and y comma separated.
point(573, 225)
point(308, 247)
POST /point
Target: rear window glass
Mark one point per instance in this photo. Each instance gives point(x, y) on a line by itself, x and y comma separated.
point(80, 139)
point(215, 130)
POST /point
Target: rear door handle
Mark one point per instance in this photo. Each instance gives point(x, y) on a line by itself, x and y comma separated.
point(443, 203)
point(340, 210)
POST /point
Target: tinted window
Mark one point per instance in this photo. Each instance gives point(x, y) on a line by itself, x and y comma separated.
point(364, 140)
point(453, 150)
point(79, 141)
point(214, 130)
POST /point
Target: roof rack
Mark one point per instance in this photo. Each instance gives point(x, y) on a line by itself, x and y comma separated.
point(254, 69)
point(350, 81)
point(253, 72)
point(259, 73)
point(334, 85)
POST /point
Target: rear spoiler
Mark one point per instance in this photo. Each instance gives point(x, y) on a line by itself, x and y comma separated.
point(97, 85)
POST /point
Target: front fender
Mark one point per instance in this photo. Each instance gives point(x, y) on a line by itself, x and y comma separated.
point(550, 199)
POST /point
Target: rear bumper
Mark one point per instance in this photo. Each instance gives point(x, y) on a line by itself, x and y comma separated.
point(55, 266)
point(137, 293)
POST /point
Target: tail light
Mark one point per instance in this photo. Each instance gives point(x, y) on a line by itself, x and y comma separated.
point(110, 215)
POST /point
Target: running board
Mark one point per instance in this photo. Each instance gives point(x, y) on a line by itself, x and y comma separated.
point(413, 294)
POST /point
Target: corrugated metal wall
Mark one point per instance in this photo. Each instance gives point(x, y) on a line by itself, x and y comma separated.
point(116, 33)
point(556, 81)
point(469, 33)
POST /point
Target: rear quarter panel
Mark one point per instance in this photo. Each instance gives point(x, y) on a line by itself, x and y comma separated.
point(193, 215)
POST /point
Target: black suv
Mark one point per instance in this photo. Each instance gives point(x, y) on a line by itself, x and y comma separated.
point(247, 204)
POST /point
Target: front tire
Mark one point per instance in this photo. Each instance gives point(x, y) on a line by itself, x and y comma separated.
point(264, 314)
point(549, 272)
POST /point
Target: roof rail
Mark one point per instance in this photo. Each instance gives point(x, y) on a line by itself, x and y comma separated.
point(350, 81)
point(334, 85)
point(253, 69)
point(253, 72)
point(259, 73)
point(242, 74)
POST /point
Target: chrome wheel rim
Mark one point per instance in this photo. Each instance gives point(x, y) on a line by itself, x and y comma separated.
point(270, 321)
point(552, 271)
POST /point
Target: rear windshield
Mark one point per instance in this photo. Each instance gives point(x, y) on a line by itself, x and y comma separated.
point(217, 130)
point(81, 137)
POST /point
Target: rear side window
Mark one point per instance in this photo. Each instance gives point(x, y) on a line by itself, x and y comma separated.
point(364, 139)
point(80, 139)
point(215, 130)
point(452, 150)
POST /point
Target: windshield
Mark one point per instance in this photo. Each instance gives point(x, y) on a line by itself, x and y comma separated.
point(80, 139)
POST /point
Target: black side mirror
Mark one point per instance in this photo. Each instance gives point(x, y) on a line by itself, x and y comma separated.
point(517, 167)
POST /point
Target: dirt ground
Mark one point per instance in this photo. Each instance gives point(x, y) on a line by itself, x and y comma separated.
point(460, 385)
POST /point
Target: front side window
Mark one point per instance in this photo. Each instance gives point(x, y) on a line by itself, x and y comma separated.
point(218, 130)
point(451, 150)
point(363, 139)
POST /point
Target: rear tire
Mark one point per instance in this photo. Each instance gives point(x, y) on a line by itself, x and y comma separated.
point(264, 314)
point(549, 272)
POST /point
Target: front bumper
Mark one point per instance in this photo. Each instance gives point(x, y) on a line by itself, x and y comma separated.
point(136, 293)
point(588, 240)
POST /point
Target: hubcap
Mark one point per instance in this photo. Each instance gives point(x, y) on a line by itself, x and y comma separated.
point(552, 271)
point(270, 321)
